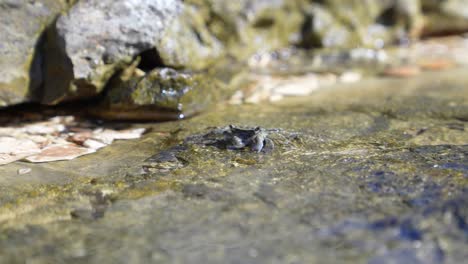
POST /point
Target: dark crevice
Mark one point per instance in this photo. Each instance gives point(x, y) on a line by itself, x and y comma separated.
point(37, 74)
point(150, 59)
point(309, 39)
point(264, 23)
point(198, 36)
point(388, 17)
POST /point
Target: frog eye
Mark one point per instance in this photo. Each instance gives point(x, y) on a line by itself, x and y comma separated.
point(257, 128)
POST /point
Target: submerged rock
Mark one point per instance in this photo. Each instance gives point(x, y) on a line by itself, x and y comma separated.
point(21, 26)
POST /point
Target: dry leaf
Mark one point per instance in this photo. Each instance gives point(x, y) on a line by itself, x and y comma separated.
point(13, 149)
point(59, 138)
point(298, 86)
point(402, 71)
point(436, 64)
point(44, 128)
point(81, 137)
point(59, 152)
point(107, 136)
point(94, 144)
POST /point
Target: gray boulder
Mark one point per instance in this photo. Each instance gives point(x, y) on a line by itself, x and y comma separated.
point(188, 43)
point(96, 39)
point(21, 25)
point(208, 30)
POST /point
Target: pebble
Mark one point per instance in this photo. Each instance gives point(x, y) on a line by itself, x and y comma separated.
point(24, 171)
point(350, 77)
point(298, 86)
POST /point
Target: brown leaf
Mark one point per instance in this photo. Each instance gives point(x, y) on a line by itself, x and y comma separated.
point(81, 137)
point(107, 136)
point(94, 144)
point(59, 152)
point(436, 64)
point(402, 71)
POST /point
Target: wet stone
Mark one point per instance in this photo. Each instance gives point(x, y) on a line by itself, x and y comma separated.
point(202, 191)
point(373, 172)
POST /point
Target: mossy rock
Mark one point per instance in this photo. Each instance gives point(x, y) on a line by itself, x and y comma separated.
point(161, 94)
point(357, 23)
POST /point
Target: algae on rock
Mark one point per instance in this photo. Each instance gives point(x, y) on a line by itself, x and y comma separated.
point(160, 94)
point(357, 23)
point(249, 26)
point(187, 42)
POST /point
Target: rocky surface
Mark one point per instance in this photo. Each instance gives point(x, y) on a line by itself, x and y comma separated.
point(376, 172)
point(21, 29)
point(188, 43)
point(372, 172)
point(357, 23)
point(95, 39)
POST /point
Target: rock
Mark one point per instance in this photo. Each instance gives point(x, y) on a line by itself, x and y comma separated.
point(321, 29)
point(335, 24)
point(248, 26)
point(443, 17)
point(161, 94)
point(188, 43)
point(21, 26)
point(98, 38)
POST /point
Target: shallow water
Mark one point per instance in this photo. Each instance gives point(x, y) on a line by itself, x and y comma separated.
point(377, 173)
